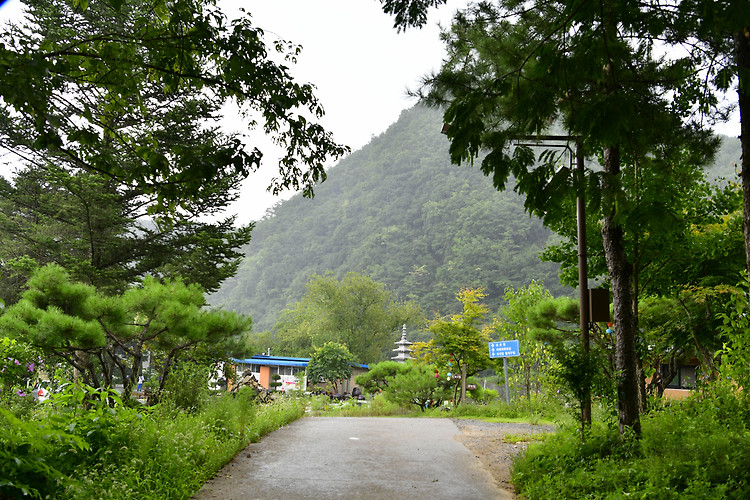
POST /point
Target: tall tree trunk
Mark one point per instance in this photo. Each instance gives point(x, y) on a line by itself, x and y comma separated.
point(742, 58)
point(620, 274)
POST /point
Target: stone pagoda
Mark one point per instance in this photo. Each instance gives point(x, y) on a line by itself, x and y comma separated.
point(403, 351)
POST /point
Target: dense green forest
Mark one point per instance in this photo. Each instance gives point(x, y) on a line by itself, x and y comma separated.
point(398, 211)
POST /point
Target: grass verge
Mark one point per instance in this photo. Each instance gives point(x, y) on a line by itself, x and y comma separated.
point(698, 449)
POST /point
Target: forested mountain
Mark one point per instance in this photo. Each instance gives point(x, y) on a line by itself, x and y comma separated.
point(398, 211)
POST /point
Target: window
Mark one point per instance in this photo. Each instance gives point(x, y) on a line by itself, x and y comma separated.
point(687, 376)
point(683, 379)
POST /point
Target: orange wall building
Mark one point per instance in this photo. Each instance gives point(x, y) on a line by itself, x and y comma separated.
point(290, 370)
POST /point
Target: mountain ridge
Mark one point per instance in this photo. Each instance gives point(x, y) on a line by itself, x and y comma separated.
point(399, 211)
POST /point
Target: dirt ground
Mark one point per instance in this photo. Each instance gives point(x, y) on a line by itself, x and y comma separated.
point(489, 444)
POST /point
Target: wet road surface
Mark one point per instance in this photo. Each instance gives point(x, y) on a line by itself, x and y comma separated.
point(356, 458)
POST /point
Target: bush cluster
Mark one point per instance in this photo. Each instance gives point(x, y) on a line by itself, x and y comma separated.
point(84, 443)
point(533, 410)
point(699, 448)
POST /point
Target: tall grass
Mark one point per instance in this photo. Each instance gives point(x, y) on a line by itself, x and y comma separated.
point(534, 411)
point(378, 406)
point(171, 454)
point(122, 452)
point(695, 449)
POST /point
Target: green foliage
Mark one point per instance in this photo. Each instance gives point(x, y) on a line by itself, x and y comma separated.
point(578, 375)
point(481, 395)
point(678, 328)
point(409, 13)
point(595, 72)
point(331, 363)
point(119, 128)
point(75, 428)
point(187, 388)
point(91, 331)
point(460, 343)
point(86, 444)
point(378, 376)
point(398, 212)
point(19, 367)
point(715, 35)
point(171, 454)
point(25, 452)
point(517, 323)
point(406, 384)
point(106, 240)
point(377, 406)
point(735, 353)
point(356, 311)
point(274, 384)
point(88, 82)
point(416, 384)
point(699, 227)
point(687, 450)
point(536, 410)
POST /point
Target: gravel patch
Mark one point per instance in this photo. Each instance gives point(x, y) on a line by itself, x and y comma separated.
point(487, 440)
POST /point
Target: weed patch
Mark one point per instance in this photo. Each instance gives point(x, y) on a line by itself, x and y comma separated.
point(687, 450)
point(106, 450)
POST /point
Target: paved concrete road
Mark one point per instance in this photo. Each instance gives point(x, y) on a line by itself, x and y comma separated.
point(356, 458)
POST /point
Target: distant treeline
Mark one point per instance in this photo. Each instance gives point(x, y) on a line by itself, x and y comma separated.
point(398, 211)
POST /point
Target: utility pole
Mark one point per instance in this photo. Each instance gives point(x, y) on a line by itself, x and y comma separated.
point(583, 289)
point(583, 285)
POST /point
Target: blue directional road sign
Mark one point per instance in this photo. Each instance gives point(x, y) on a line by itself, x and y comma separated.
point(504, 349)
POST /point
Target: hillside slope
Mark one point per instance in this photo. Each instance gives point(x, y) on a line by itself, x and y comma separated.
point(400, 212)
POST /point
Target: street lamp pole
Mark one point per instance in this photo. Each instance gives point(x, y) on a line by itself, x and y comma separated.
point(583, 288)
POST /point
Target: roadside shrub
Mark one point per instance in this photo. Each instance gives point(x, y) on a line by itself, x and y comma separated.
point(319, 404)
point(84, 443)
point(534, 410)
point(378, 406)
point(29, 456)
point(19, 370)
point(685, 452)
point(73, 429)
point(272, 416)
point(187, 387)
point(228, 415)
point(20, 403)
point(415, 384)
point(483, 396)
point(171, 455)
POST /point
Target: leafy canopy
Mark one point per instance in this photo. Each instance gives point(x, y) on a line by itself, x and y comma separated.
point(99, 335)
point(355, 311)
point(460, 342)
point(416, 384)
point(76, 73)
point(331, 363)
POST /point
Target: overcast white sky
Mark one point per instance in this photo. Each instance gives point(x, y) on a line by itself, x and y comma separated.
point(351, 53)
point(359, 64)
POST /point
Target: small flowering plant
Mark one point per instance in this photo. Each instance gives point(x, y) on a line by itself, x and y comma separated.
point(19, 363)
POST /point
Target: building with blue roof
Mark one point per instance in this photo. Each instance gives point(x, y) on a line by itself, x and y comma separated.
point(290, 370)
